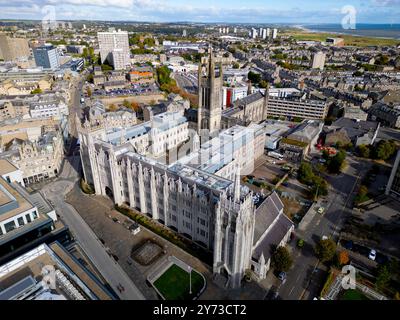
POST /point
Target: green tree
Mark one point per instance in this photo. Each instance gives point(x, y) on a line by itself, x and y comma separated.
point(383, 278)
point(236, 65)
point(384, 149)
point(363, 151)
point(305, 173)
point(36, 91)
point(281, 259)
point(319, 187)
point(254, 77)
point(126, 103)
point(325, 250)
point(335, 163)
point(263, 84)
point(89, 78)
point(89, 92)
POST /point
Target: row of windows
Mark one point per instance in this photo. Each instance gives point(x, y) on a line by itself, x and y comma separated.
point(9, 226)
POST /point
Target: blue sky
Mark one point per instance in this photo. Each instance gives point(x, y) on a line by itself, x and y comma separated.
point(256, 11)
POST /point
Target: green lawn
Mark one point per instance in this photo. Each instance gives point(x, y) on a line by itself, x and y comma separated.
point(353, 295)
point(174, 284)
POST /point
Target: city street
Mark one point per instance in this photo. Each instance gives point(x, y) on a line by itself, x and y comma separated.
point(305, 279)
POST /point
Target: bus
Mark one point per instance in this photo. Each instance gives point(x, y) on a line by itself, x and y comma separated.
point(275, 155)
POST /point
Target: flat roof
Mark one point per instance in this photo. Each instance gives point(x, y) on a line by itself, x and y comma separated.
point(6, 167)
point(8, 192)
point(30, 265)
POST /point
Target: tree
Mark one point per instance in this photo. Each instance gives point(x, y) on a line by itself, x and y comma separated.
point(254, 77)
point(112, 107)
point(263, 84)
point(36, 91)
point(89, 78)
point(236, 65)
point(343, 258)
point(89, 92)
point(335, 163)
point(126, 103)
point(281, 259)
point(383, 277)
point(134, 106)
point(363, 151)
point(325, 250)
point(319, 186)
point(384, 149)
point(305, 173)
point(106, 67)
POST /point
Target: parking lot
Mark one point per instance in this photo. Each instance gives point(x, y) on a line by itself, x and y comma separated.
point(293, 193)
point(363, 254)
point(133, 89)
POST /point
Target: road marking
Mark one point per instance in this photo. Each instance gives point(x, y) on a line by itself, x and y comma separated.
point(290, 292)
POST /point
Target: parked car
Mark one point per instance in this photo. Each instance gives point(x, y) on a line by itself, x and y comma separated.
point(372, 254)
point(321, 210)
point(282, 276)
point(348, 245)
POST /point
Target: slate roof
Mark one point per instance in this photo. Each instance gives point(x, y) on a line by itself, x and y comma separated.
point(266, 214)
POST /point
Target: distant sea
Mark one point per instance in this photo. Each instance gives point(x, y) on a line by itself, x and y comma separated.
point(362, 29)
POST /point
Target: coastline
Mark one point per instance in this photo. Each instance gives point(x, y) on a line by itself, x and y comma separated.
point(313, 30)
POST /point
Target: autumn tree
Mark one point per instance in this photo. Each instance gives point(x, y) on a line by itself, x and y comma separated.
point(112, 107)
point(89, 92)
point(343, 258)
point(134, 106)
point(325, 250)
point(281, 259)
point(126, 103)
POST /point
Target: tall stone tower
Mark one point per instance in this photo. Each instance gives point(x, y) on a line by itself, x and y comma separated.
point(210, 96)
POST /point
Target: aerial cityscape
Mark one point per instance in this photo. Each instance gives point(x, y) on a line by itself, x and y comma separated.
point(183, 151)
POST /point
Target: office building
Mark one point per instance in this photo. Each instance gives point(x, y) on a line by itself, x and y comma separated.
point(26, 220)
point(274, 33)
point(253, 33)
point(264, 34)
point(47, 57)
point(114, 47)
point(318, 61)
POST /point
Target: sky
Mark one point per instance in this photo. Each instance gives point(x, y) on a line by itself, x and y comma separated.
point(233, 11)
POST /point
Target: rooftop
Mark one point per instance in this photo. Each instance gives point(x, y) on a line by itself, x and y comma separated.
point(12, 202)
point(21, 278)
point(6, 167)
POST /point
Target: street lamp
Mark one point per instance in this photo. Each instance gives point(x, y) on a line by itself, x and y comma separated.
point(190, 279)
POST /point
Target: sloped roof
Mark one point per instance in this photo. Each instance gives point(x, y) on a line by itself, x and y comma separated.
point(266, 214)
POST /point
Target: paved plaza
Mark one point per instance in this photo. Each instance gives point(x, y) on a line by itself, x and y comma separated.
point(126, 248)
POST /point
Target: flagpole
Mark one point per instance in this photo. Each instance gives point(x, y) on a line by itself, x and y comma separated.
point(190, 280)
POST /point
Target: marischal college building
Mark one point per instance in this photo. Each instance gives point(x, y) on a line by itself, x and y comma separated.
point(160, 169)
